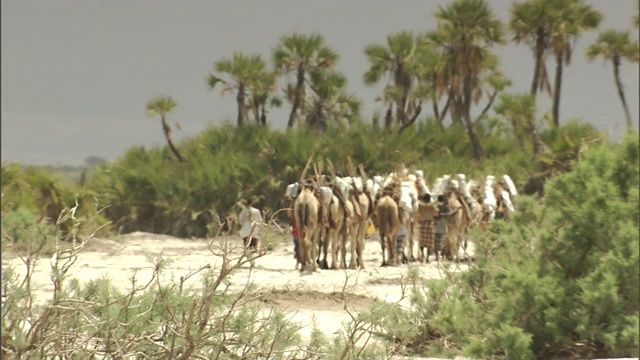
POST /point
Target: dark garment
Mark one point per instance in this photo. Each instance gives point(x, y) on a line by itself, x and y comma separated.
point(426, 234)
point(253, 244)
point(442, 220)
point(400, 244)
point(440, 238)
point(296, 246)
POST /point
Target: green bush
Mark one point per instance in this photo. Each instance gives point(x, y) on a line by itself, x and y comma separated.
point(21, 230)
point(148, 191)
point(558, 281)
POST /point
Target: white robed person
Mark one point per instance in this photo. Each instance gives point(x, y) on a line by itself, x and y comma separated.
point(250, 221)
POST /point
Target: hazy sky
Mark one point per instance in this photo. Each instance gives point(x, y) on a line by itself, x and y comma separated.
point(76, 75)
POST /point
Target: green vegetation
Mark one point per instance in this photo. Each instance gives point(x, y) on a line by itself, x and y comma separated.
point(559, 281)
point(146, 190)
point(616, 46)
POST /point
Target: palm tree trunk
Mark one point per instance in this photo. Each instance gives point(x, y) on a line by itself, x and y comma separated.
point(539, 54)
point(434, 97)
point(616, 74)
point(463, 106)
point(402, 82)
point(400, 115)
point(255, 108)
point(478, 151)
point(297, 97)
point(555, 109)
point(388, 118)
point(459, 110)
point(242, 112)
point(440, 117)
point(434, 104)
point(413, 118)
point(167, 135)
point(263, 117)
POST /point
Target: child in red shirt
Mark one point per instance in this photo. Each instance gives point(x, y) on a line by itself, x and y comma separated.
point(296, 238)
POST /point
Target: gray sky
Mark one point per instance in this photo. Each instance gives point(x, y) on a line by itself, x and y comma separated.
point(76, 75)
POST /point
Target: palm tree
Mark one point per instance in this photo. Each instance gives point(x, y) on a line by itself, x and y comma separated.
point(570, 18)
point(301, 55)
point(531, 23)
point(429, 69)
point(161, 106)
point(248, 73)
point(262, 90)
point(395, 61)
point(329, 102)
point(615, 46)
point(519, 111)
point(466, 30)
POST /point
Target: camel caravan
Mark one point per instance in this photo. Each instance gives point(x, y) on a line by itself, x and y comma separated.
point(333, 213)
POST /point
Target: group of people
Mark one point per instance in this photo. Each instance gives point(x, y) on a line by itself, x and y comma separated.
point(432, 226)
point(431, 218)
point(432, 222)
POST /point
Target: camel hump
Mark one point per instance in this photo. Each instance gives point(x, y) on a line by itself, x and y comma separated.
point(455, 204)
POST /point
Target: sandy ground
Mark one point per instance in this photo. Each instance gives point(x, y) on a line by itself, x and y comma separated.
point(305, 297)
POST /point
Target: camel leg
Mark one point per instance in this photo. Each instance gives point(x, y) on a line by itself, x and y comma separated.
point(353, 245)
point(407, 252)
point(465, 237)
point(334, 249)
point(412, 244)
point(306, 252)
point(318, 243)
point(360, 245)
point(382, 244)
point(325, 249)
point(343, 249)
point(393, 257)
point(314, 251)
point(353, 240)
point(453, 243)
point(321, 248)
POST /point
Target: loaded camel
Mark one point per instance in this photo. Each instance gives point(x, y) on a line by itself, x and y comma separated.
point(388, 221)
point(306, 209)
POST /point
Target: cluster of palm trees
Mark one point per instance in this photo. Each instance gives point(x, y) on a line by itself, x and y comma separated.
point(453, 67)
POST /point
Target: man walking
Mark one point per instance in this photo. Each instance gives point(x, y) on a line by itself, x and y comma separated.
point(250, 220)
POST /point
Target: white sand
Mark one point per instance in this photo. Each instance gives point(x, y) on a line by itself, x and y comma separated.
point(304, 296)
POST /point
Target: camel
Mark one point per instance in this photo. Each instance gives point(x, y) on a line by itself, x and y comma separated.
point(504, 200)
point(363, 211)
point(405, 194)
point(321, 240)
point(406, 219)
point(347, 234)
point(457, 224)
point(306, 209)
point(388, 222)
point(336, 216)
point(497, 200)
